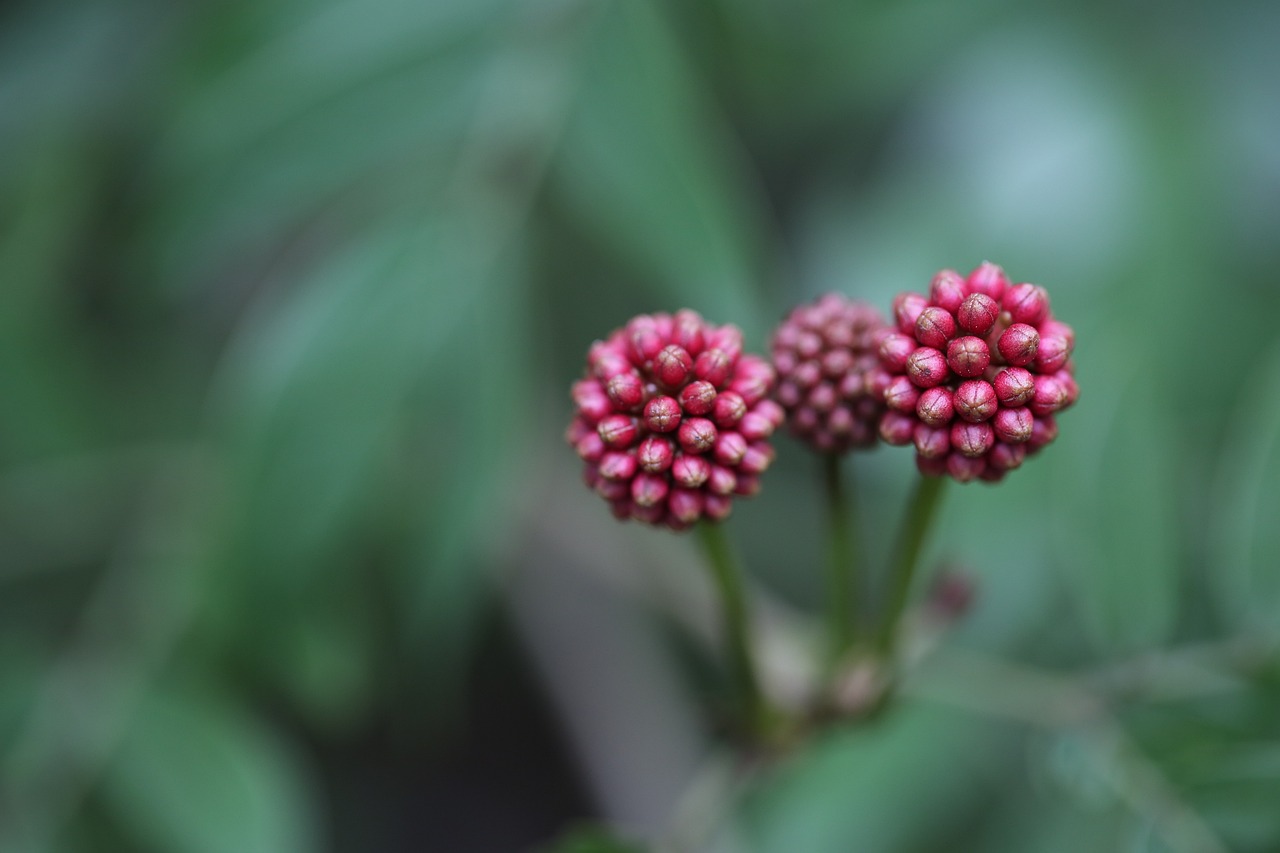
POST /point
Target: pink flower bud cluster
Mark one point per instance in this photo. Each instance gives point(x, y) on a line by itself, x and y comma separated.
point(979, 368)
point(673, 419)
point(829, 377)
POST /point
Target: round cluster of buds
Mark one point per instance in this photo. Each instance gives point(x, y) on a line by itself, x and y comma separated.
point(979, 368)
point(673, 420)
point(829, 377)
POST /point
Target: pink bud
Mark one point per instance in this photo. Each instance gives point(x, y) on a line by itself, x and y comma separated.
point(662, 414)
point(591, 400)
point(822, 398)
point(649, 489)
point(965, 468)
point(947, 291)
point(927, 367)
point(1013, 425)
point(772, 411)
point(1006, 457)
point(836, 363)
point(990, 279)
point(1058, 329)
point(727, 339)
point(616, 465)
point(690, 471)
point(895, 349)
point(1053, 353)
point(968, 356)
point(729, 408)
point(721, 481)
point(686, 504)
point(608, 364)
point(643, 340)
point(697, 435)
point(977, 314)
point(755, 426)
point(1050, 396)
point(757, 459)
point(902, 395)
point(808, 344)
point(1014, 386)
point(1026, 303)
point(807, 374)
point(975, 400)
point(748, 485)
point(717, 507)
point(655, 454)
point(625, 390)
point(729, 448)
point(932, 442)
point(618, 431)
point(972, 439)
point(934, 327)
point(590, 447)
point(614, 489)
point(897, 428)
point(698, 398)
point(688, 331)
point(1019, 344)
point(932, 466)
point(936, 407)
point(906, 308)
point(789, 394)
point(712, 366)
point(672, 365)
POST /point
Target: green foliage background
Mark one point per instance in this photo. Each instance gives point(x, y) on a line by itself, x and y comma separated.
point(290, 297)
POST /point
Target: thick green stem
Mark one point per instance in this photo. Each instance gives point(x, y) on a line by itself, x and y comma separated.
point(915, 528)
point(729, 585)
point(841, 561)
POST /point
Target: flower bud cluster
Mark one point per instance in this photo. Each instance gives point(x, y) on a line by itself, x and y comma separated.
point(829, 377)
point(978, 370)
point(673, 420)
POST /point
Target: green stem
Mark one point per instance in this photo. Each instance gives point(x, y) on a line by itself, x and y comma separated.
point(728, 583)
point(915, 528)
point(841, 562)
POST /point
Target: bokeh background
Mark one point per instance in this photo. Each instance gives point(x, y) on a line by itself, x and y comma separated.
point(293, 557)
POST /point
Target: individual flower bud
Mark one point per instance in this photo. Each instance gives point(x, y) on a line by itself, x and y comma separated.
point(1013, 425)
point(977, 314)
point(1058, 329)
point(968, 356)
point(648, 416)
point(618, 431)
point(972, 439)
point(1026, 303)
point(902, 395)
point(826, 354)
point(895, 349)
point(672, 366)
point(625, 390)
point(932, 466)
point(662, 414)
point(934, 327)
point(932, 442)
point(1050, 396)
point(729, 448)
point(1043, 432)
point(696, 435)
point(712, 366)
point(616, 465)
point(655, 454)
point(698, 397)
point(988, 279)
point(947, 291)
point(1052, 354)
point(690, 471)
point(906, 309)
point(927, 367)
point(686, 504)
point(975, 400)
point(1006, 457)
point(965, 468)
point(1019, 344)
point(936, 407)
point(897, 428)
point(649, 489)
point(728, 409)
point(1014, 386)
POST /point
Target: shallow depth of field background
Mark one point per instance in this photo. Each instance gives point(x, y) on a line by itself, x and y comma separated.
point(293, 557)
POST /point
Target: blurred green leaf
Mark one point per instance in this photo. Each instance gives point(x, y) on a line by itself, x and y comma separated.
point(648, 167)
point(588, 839)
point(1244, 567)
point(194, 774)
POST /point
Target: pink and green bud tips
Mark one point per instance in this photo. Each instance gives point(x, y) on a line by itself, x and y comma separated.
point(829, 378)
point(673, 420)
point(977, 371)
